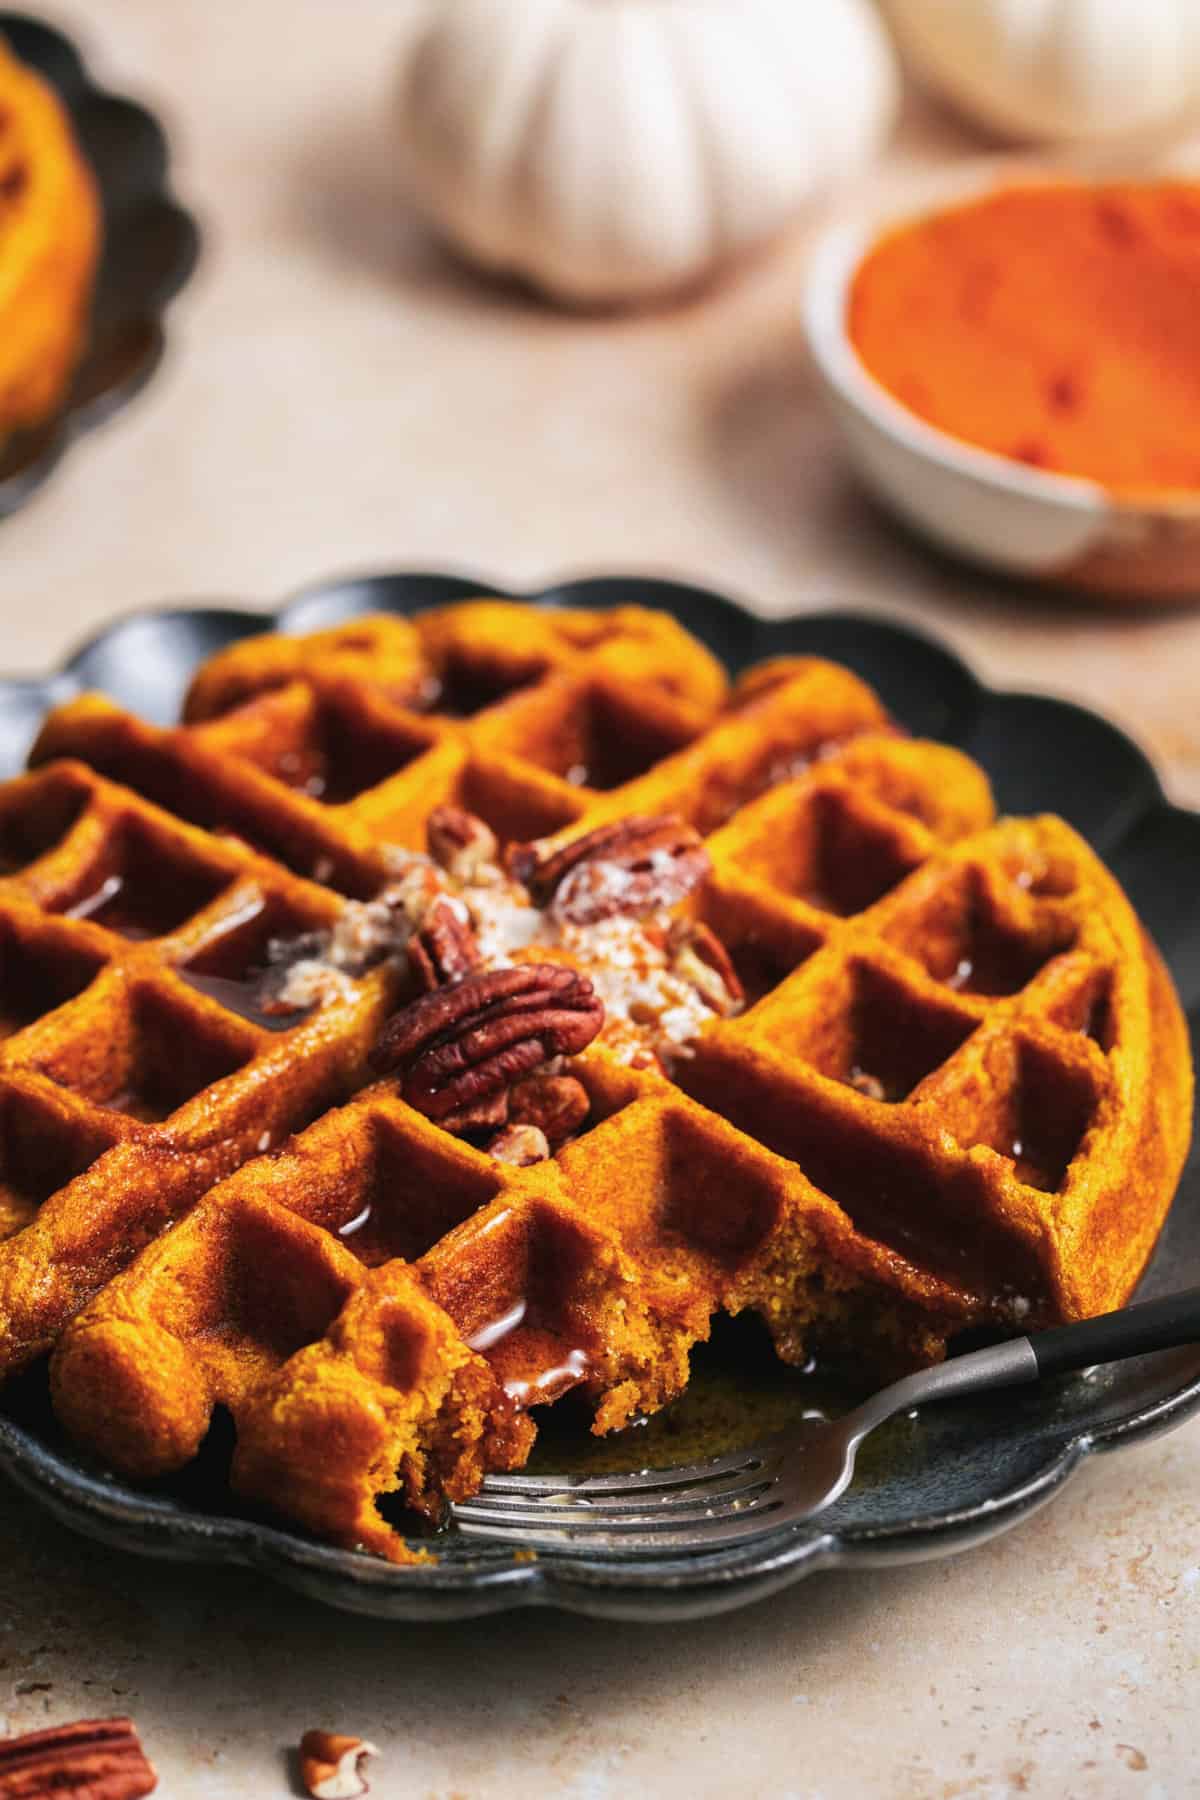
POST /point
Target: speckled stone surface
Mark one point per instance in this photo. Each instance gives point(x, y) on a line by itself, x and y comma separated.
point(339, 395)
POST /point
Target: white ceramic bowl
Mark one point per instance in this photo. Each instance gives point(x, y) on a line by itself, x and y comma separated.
point(1015, 519)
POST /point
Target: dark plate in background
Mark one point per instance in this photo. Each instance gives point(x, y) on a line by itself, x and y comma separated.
point(951, 1479)
point(149, 250)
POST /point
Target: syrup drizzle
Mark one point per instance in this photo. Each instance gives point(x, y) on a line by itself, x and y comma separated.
point(103, 907)
point(547, 1384)
point(366, 1235)
point(243, 991)
point(353, 1226)
point(499, 1329)
point(533, 1365)
point(242, 995)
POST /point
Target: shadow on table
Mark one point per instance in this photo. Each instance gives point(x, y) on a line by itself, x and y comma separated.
point(216, 1651)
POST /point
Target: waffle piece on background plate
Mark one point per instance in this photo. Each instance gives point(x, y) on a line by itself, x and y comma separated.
point(700, 998)
point(50, 230)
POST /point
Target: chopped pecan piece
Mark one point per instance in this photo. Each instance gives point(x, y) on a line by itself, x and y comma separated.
point(94, 1759)
point(463, 1047)
point(461, 842)
point(629, 867)
point(332, 1766)
point(867, 1084)
point(520, 1145)
point(415, 887)
point(444, 949)
point(556, 1104)
point(699, 956)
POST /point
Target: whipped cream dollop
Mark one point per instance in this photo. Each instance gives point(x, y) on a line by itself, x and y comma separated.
point(652, 1009)
point(654, 1006)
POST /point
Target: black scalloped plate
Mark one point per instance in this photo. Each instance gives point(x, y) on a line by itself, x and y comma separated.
point(952, 1479)
point(149, 250)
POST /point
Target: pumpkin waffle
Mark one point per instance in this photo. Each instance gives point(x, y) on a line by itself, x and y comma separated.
point(49, 246)
point(930, 1074)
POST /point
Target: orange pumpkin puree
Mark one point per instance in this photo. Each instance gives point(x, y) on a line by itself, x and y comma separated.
point(1056, 324)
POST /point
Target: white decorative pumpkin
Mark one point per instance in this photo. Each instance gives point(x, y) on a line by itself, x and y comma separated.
point(610, 150)
point(1057, 69)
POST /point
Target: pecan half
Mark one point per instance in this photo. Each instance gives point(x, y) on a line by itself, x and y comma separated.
point(699, 956)
point(444, 949)
point(556, 1104)
point(465, 1046)
point(461, 842)
point(484, 1114)
point(94, 1759)
point(520, 1145)
point(628, 867)
point(332, 1766)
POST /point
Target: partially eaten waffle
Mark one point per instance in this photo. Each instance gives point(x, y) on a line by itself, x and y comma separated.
point(49, 245)
point(456, 1012)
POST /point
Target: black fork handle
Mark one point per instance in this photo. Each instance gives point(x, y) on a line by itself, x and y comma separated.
point(1153, 1325)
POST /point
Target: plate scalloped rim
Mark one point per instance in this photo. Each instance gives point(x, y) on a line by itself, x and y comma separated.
point(477, 1583)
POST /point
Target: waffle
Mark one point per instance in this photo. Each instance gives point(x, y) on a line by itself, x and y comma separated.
point(951, 1089)
point(49, 245)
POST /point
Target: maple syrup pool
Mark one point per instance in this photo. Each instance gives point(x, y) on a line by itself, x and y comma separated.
point(739, 1392)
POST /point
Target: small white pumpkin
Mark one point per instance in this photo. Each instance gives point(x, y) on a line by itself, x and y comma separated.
point(1057, 69)
point(610, 150)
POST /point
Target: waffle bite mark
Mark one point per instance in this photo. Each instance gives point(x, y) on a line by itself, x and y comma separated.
point(630, 867)
point(408, 1408)
point(459, 1050)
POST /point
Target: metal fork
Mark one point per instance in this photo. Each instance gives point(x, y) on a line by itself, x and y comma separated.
point(788, 1478)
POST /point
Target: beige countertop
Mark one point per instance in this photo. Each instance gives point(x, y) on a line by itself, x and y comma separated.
point(339, 396)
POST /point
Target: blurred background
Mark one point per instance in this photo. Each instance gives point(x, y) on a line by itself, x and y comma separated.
point(519, 290)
